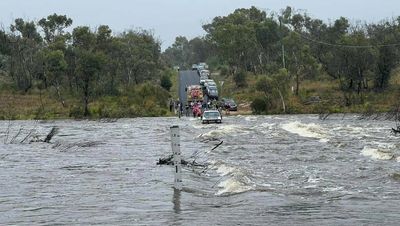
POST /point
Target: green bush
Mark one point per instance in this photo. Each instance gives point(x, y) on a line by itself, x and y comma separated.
point(259, 105)
point(224, 71)
point(240, 79)
point(166, 82)
point(76, 111)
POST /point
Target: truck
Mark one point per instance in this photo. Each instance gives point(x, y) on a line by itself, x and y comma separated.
point(194, 94)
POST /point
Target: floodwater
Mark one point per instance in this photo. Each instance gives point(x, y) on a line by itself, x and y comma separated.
point(269, 170)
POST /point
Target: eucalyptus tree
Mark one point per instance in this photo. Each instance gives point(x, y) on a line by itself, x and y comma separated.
point(184, 52)
point(56, 66)
point(5, 51)
point(301, 64)
point(54, 27)
point(54, 50)
point(275, 87)
point(178, 53)
point(235, 37)
point(386, 36)
point(25, 44)
point(89, 63)
point(359, 62)
point(106, 43)
point(140, 57)
point(269, 35)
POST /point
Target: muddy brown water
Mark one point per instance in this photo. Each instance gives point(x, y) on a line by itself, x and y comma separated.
point(269, 170)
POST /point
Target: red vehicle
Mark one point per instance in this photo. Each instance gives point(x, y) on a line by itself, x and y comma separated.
point(194, 93)
point(197, 110)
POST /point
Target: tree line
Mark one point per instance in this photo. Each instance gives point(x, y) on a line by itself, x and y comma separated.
point(285, 48)
point(82, 63)
point(359, 56)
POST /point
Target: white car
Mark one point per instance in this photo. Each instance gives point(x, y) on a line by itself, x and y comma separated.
point(211, 116)
point(209, 82)
point(203, 79)
point(203, 65)
point(205, 72)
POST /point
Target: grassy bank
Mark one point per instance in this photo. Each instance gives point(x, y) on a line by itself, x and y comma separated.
point(144, 100)
point(150, 100)
point(314, 96)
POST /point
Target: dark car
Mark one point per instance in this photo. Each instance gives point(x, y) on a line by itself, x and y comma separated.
point(229, 104)
point(212, 92)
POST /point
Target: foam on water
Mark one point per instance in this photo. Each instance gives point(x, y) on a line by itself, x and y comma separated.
point(306, 130)
point(250, 118)
point(224, 170)
point(265, 128)
point(224, 130)
point(331, 189)
point(236, 179)
point(376, 153)
point(265, 125)
point(232, 186)
point(349, 129)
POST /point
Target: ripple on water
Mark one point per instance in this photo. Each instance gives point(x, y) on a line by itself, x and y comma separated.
point(263, 173)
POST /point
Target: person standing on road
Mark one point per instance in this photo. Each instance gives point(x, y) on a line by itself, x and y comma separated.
point(171, 105)
point(187, 110)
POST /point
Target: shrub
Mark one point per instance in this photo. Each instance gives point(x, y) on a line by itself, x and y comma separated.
point(76, 111)
point(240, 79)
point(224, 71)
point(166, 82)
point(259, 105)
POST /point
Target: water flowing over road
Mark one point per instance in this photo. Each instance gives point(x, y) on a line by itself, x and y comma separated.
point(269, 170)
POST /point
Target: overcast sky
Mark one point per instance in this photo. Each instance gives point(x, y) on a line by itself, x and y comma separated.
point(170, 18)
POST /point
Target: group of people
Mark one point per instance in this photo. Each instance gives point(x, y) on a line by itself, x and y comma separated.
point(194, 108)
point(176, 106)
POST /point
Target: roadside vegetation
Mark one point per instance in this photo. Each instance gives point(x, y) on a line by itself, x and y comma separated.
point(48, 72)
point(289, 62)
point(270, 63)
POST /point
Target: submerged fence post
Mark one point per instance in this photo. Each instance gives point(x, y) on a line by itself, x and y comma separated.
point(176, 151)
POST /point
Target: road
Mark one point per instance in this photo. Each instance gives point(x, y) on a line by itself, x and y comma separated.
point(187, 78)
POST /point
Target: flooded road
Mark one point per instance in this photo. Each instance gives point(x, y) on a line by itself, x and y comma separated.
point(269, 170)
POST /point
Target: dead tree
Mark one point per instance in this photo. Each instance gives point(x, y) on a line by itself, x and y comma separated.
point(53, 132)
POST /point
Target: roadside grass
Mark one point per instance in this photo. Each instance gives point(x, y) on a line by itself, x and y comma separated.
point(332, 98)
point(147, 101)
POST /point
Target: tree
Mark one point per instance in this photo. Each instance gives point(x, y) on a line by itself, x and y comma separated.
point(240, 79)
point(88, 63)
point(358, 62)
point(166, 82)
point(178, 53)
point(385, 34)
point(55, 68)
point(140, 56)
point(268, 35)
point(53, 26)
point(111, 48)
point(275, 86)
point(301, 62)
point(235, 38)
point(25, 60)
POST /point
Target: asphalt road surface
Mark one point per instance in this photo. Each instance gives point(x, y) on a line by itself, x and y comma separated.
point(187, 78)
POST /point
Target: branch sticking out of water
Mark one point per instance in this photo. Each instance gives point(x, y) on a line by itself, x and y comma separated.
point(7, 132)
point(217, 146)
point(169, 161)
point(15, 137)
point(53, 132)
